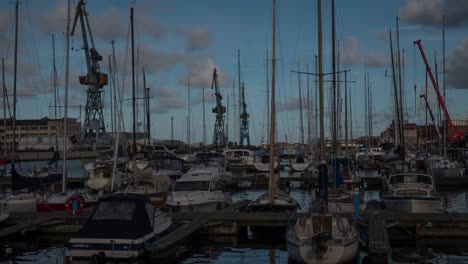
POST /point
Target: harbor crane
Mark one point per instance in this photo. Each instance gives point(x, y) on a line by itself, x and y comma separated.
point(457, 134)
point(219, 138)
point(432, 116)
point(93, 126)
point(244, 132)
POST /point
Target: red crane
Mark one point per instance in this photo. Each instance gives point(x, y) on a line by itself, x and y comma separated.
point(457, 135)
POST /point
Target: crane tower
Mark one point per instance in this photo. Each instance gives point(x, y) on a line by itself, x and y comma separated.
point(244, 133)
point(93, 127)
point(219, 138)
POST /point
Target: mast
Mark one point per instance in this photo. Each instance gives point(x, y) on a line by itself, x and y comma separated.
point(346, 114)
point(133, 96)
point(366, 110)
point(334, 115)
point(4, 109)
point(65, 110)
point(54, 77)
point(147, 109)
point(320, 68)
point(300, 105)
point(395, 91)
point(272, 183)
point(443, 84)
point(15, 71)
point(402, 122)
point(239, 98)
point(309, 114)
point(268, 96)
point(351, 120)
point(316, 119)
point(188, 122)
point(204, 120)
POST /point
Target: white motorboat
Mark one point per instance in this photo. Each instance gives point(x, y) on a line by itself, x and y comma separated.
point(440, 166)
point(239, 158)
point(171, 167)
point(411, 193)
point(322, 239)
point(200, 189)
point(120, 227)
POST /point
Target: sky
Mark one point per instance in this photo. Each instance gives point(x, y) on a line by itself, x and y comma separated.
point(180, 39)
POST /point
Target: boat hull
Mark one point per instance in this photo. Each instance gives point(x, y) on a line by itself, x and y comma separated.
point(410, 204)
point(343, 252)
point(110, 248)
point(201, 207)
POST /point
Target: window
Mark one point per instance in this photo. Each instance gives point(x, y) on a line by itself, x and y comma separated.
point(192, 186)
point(115, 210)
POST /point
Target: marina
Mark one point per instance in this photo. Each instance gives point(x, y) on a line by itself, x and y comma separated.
point(153, 139)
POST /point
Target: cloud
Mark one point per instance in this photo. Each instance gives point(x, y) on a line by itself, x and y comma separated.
point(292, 104)
point(353, 54)
point(158, 61)
point(209, 97)
point(167, 99)
point(457, 66)
point(197, 37)
point(430, 12)
point(200, 71)
point(110, 24)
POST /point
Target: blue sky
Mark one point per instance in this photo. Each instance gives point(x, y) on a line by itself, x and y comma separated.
point(178, 38)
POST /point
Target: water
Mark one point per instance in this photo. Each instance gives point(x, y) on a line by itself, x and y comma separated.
point(250, 250)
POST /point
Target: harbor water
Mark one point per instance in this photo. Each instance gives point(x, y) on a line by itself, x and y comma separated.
point(33, 248)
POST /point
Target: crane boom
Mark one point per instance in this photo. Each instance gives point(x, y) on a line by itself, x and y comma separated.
point(432, 116)
point(457, 135)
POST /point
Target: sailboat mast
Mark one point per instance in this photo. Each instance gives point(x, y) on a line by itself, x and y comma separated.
point(54, 77)
point(133, 96)
point(272, 185)
point(188, 122)
point(204, 120)
point(300, 105)
point(309, 114)
point(239, 97)
point(320, 68)
point(15, 71)
point(4, 109)
point(443, 84)
point(268, 96)
point(65, 110)
point(334, 115)
point(395, 90)
point(346, 113)
point(402, 122)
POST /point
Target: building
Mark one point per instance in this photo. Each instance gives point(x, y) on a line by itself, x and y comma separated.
point(37, 128)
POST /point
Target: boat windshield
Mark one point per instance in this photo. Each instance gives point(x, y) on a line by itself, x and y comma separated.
point(168, 164)
point(114, 210)
point(410, 179)
point(192, 186)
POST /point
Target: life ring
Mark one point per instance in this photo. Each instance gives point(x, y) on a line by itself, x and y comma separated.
point(69, 204)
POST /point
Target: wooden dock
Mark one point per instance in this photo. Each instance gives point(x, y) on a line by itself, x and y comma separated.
point(379, 242)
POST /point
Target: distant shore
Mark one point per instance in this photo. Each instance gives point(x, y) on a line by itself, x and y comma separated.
point(47, 155)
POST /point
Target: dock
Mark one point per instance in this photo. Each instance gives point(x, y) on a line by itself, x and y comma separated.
point(375, 223)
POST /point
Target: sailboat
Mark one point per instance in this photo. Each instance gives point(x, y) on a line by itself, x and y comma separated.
point(276, 199)
point(322, 237)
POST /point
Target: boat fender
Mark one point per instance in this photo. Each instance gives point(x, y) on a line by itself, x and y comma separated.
point(74, 204)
